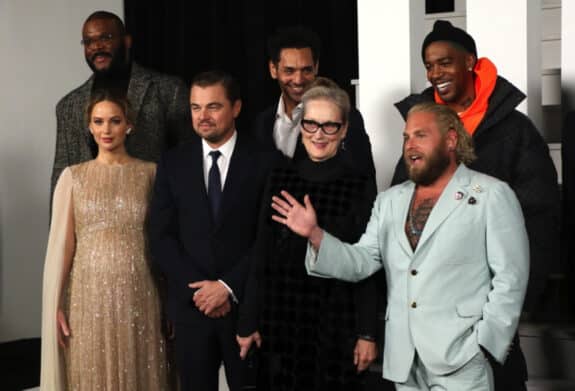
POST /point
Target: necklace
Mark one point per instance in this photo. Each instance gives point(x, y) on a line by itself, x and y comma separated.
point(412, 229)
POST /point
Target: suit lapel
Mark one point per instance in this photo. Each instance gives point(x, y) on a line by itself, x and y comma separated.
point(266, 132)
point(88, 149)
point(400, 209)
point(446, 204)
point(195, 187)
point(139, 82)
point(239, 169)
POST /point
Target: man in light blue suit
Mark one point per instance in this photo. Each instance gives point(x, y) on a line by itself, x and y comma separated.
point(454, 248)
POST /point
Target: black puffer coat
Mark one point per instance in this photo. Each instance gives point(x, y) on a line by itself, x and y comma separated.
point(509, 147)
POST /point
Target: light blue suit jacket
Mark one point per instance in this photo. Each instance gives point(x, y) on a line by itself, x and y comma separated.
point(462, 287)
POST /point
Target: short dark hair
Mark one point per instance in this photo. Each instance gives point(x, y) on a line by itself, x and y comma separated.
point(98, 15)
point(210, 78)
point(108, 95)
point(443, 30)
point(293, 37)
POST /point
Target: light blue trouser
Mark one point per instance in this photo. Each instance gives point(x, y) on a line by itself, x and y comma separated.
point(476, 375)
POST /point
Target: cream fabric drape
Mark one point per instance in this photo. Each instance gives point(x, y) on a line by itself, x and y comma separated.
point(60, 243)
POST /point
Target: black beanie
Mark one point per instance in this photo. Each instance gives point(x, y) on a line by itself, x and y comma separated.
point(445, 31)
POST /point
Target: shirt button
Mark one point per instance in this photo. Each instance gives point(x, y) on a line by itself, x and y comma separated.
point(414, 305)
point(414, 272)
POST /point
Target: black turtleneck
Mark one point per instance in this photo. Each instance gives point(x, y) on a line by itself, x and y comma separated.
point(323, 171)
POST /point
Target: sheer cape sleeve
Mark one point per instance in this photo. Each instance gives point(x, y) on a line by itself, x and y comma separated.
point(59, 252)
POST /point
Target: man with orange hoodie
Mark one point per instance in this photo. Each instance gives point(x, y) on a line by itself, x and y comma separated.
point(508, 147)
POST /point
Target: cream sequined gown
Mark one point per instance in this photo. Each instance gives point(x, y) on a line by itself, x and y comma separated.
point(112, 301)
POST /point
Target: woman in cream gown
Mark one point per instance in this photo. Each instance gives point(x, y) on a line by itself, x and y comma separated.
point(101, 310)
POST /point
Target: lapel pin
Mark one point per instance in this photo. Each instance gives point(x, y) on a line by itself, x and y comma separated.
point(458, 195)
point(472, 201)
point(477, 188)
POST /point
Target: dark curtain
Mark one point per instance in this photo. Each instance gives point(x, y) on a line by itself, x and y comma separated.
point(184, 37)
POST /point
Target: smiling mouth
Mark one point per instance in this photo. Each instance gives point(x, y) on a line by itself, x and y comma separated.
point(101, 57)
point(320, 144)
point(442, 87)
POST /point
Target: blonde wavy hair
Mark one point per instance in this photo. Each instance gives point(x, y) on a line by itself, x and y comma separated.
point(448, 119)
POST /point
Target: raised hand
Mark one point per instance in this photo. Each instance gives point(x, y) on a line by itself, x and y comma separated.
point(301, 219)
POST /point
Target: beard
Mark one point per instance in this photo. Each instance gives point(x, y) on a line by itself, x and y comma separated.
point(117, 65)
point(436, 163)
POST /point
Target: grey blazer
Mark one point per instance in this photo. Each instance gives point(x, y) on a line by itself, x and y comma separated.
point(161, 106)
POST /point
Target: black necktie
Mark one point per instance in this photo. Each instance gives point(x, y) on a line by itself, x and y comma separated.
point(214, 184)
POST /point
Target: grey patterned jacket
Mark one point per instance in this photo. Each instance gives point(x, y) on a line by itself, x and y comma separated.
point(162, 112)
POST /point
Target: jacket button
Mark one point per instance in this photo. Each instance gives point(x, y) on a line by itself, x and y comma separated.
point(414, 272)
point(414, 305)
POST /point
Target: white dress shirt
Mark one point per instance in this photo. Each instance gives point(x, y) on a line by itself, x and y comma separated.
point(223, 162)
point(286, 129)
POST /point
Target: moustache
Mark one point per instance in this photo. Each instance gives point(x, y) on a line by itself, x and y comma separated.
point(103, 54)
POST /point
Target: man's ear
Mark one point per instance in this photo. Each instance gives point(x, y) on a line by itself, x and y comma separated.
point(128, 41)
point(451, 139)
point(470, 61)
point(273, 69)
point(236, 108)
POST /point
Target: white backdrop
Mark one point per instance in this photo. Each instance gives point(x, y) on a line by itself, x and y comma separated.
point(41, 59)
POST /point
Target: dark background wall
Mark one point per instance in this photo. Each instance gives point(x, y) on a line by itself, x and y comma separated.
point(185, 37)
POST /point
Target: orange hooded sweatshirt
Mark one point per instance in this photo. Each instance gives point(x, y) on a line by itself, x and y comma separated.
point(485, 79)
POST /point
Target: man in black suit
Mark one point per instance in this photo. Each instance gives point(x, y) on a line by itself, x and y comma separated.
point(202, 230)
point(293, 55)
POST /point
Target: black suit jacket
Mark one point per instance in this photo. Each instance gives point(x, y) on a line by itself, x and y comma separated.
point(357, 147)
point(187, 244)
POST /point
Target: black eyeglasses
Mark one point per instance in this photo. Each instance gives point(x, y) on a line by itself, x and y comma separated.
point(312, 126)
point(103, 38)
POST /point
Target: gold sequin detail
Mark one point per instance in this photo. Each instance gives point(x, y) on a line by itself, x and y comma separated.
point(113, 303)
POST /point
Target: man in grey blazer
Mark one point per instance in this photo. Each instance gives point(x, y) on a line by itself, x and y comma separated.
point(454, 248)
point(159, 102)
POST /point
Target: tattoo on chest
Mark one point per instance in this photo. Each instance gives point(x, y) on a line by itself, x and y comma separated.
point(416, 219)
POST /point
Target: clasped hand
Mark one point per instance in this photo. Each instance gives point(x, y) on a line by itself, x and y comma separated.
point(212, 298)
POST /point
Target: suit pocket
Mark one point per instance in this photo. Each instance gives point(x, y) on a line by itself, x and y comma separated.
point(470, 309)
